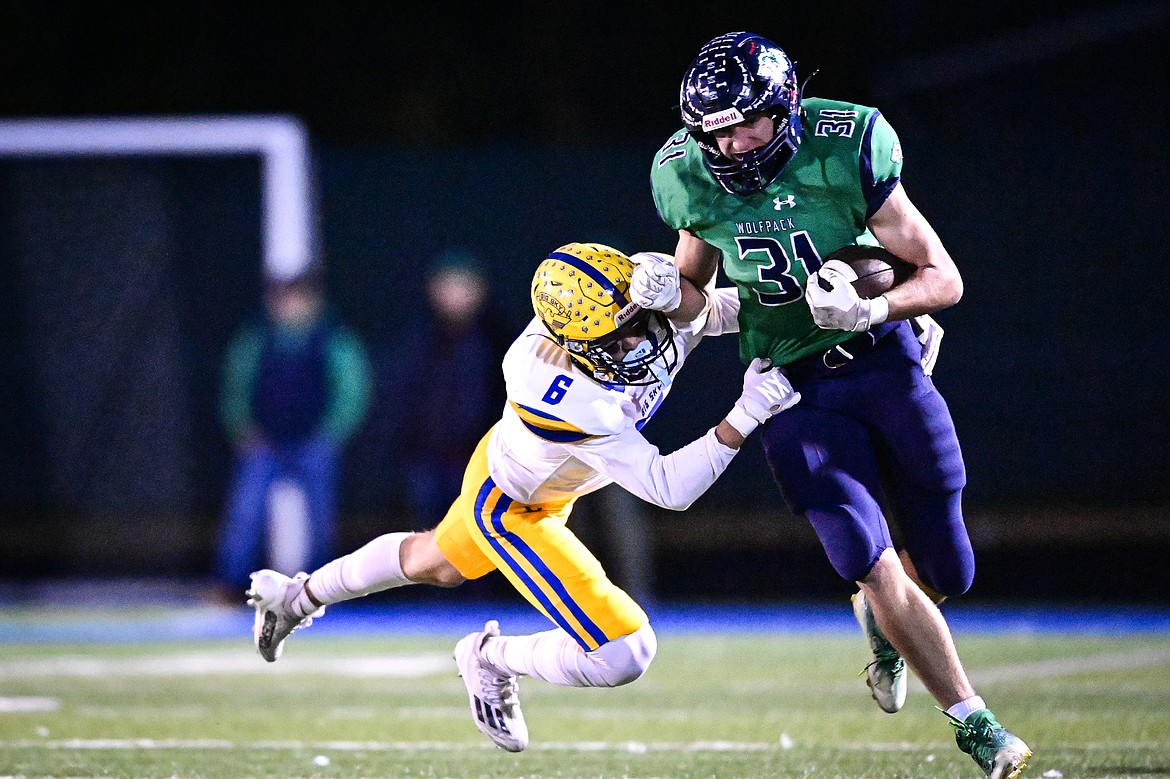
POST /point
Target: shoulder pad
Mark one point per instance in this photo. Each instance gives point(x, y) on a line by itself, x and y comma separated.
point(557, 402)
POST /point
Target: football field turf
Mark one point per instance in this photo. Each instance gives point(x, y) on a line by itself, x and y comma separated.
point(156, 695)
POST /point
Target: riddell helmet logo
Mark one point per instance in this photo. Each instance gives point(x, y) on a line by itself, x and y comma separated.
point(623, 316)
point(722, 118)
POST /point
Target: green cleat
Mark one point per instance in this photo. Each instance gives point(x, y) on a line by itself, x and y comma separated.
point(886, 673)
point(1000, 753)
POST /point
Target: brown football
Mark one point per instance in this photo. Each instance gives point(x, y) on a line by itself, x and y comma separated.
point(878, 270)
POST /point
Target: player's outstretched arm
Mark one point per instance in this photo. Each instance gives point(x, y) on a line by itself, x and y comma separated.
point(676, 480)
point(766, 392)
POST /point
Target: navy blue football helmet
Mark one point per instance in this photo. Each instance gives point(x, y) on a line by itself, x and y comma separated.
point(737, 77)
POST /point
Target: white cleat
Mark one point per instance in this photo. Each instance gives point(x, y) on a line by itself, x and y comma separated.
point(272, 595)
point(886, 673)
point(494, 698)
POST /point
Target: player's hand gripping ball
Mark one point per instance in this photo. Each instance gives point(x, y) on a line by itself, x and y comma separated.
point(878, 270)
point(846, 292)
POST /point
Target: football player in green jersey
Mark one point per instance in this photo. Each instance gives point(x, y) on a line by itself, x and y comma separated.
point(768, 183)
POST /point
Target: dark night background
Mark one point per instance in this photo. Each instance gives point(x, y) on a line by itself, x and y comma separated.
point(1034, 136)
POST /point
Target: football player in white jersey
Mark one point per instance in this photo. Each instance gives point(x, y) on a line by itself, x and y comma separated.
point(582, 379)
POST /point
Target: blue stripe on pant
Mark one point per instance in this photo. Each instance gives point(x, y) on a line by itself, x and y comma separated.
point(496, 532)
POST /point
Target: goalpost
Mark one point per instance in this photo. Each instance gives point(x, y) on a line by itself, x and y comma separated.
point(108, 371)
point(281, 142)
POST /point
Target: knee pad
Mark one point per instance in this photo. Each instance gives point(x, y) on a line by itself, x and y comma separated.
point(937, 542)
point(620, 661)
point(951, 577)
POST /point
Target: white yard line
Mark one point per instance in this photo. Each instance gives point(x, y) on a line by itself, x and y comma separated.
point(1064, 666)
point(413, 666)
point(631, 747)
point(399, 666)
point(26, 703)
point(1068, 666)
point(1048, 669)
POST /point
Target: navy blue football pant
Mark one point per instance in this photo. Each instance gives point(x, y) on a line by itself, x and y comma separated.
point(314, 464)
point(868, 435)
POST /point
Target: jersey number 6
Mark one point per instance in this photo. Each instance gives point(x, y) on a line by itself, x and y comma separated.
point(556, 391)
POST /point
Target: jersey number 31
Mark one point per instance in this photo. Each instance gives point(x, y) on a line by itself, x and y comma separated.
point(774, 266)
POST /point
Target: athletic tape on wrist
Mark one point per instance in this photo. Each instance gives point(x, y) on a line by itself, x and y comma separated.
point(741, 420)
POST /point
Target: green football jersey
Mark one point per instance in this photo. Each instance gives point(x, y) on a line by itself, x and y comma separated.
point(848, 162)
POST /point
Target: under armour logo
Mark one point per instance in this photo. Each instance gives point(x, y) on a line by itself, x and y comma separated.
point(779, 203)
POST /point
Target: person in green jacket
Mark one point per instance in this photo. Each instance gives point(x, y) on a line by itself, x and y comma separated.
point(296, 386)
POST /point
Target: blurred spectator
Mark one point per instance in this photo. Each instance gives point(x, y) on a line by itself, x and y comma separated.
point(615, 524)
point(296, 387)
point(447, 385)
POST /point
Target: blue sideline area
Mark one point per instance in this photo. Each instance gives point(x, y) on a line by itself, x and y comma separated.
point(173, 621)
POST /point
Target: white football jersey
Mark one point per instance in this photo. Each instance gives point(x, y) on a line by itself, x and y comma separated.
point(563, 434)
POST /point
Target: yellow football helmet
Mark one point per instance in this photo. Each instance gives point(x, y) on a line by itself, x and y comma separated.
point(581, 294)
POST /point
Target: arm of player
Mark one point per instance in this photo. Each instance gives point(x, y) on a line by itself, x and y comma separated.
point(656, 285)
point(696, 262)
point(696, 259)
point(676, 480)
point(935, 283)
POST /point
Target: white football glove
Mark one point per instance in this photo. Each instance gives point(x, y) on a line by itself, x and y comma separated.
point(930, 335)
point(765, 393)
point(655, 283)
point(835, 305)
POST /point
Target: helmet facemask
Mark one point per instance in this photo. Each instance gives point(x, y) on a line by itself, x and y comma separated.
point(752, 171)
point(650, 362)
